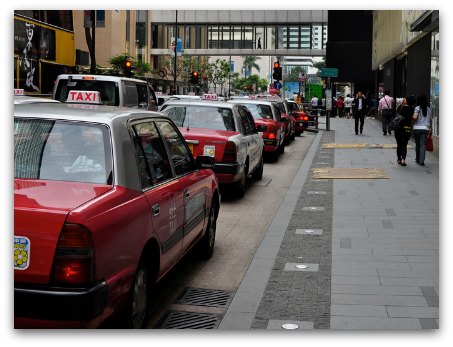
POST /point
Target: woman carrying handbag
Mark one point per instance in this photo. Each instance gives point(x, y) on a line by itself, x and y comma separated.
point(421, 128)
point(404, 128)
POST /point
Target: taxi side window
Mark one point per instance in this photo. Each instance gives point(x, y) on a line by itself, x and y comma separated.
point(180, 155)
point(142, 92)
point(248, 129)
point(131, 95)
point(154, 166)
point(277, 113)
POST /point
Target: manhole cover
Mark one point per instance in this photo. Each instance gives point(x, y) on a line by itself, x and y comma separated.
point(189, 320)
point(205, 297)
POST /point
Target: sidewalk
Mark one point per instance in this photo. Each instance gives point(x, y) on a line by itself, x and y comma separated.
point(348, 253)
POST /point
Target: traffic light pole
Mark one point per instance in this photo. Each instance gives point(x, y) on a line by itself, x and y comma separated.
point(328, 112)
point(175, 64)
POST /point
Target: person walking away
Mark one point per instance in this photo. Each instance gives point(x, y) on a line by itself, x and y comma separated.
point(347, 106)
point(314, 102)
point(385, 109)
point(404, 129)
point(359, 109)
point(421, 128)
point(340, 107)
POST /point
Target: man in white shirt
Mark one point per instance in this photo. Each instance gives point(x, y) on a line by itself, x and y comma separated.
point(385, 108)
point(314, 102)
point(347, 106)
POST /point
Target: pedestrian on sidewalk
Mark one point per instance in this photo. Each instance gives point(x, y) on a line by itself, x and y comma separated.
point(359, 110)
point(340, 104)
point(347, 106)
point(385, 108)
point(404, 129)
point(421, 128)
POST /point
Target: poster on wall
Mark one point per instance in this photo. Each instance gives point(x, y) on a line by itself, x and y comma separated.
point(32, 43)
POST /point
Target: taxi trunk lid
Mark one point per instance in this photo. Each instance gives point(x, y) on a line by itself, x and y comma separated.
point(207, 142)
point(40, 211)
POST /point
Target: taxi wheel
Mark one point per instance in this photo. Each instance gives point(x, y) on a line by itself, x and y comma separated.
point(206, 246)
point(258, 173)
point(136, 312)
point(240, 186)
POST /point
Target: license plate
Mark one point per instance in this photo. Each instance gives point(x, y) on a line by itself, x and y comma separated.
point(209, 151)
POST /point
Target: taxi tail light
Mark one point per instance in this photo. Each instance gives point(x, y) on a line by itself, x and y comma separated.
point(74, 259)
point(230, 153)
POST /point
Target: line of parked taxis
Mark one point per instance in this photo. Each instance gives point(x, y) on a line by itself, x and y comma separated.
point(107, 199)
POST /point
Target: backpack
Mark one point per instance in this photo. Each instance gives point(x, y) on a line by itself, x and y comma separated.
point(395, 122)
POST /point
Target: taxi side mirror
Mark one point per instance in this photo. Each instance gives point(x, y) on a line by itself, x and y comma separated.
point(205, 162)
point(260, 128)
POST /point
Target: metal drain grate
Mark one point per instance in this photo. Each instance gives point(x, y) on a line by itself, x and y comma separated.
point(205, 297)
point(190, 320)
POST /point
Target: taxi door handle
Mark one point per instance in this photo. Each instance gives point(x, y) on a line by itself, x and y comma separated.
point(186, 193)
point(156, 210)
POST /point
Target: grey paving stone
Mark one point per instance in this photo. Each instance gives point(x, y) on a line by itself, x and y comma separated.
point(408, 281)
point(374, 289)
point(345, 242)
point(390, 212)
point(358, 310)
point(413, 312)
point(373, 323)
point(428, 291)
point(428, 323)
point(379, 300)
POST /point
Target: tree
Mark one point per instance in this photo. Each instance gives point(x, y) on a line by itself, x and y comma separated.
point(253, 83)
point(117, 63)
point(319, 65)
point(293, 76)
point(250, 63)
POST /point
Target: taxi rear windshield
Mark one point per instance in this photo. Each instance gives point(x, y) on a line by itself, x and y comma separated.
point(215, 118)
point(260, 111)
point(62, 151)
point(108, 90)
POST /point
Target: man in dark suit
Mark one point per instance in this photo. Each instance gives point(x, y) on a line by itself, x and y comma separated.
point(359, 107)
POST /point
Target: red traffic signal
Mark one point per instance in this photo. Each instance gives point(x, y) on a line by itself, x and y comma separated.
point(276, 65)
point(194, 77)
point(128, 67)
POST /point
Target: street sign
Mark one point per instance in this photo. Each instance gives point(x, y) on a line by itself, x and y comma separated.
point(328, 99)
point(277, 85)
point(329, 72)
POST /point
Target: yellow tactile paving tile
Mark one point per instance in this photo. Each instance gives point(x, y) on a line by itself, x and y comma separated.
point(361, 145)
point(349, 173)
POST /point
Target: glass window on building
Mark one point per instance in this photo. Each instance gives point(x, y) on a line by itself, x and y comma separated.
point(236, 37)
point(434, 85)
point(324, 36)
point(225, 38)
point(141, 35)
point(293, 37)
point(316, 36)
point(247, 38)
point(213, 37)
point(201, 37)
point(305, 37)
point(281, 37)
point(270, 38)
point(259, 38)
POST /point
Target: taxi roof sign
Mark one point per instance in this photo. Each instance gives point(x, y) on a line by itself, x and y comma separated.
point(18, 92)
point(84, 97)
point(209, 97)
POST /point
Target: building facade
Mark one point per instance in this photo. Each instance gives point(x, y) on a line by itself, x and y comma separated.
point(406, 55)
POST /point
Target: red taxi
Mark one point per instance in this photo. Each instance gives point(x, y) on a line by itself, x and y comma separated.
point(301, 118)
point(288, 119)
point(224, 132)
point(106, 201)
point(269, 124)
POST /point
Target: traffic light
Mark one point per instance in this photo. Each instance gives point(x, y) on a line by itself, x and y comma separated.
point(277, 75)
point(194, 77)
point(128, 67)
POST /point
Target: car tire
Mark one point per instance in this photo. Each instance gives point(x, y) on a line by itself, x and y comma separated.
point(298, 133)
point(136, 312)
point(281, 149)
point(206, 243)
point(258, 173)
